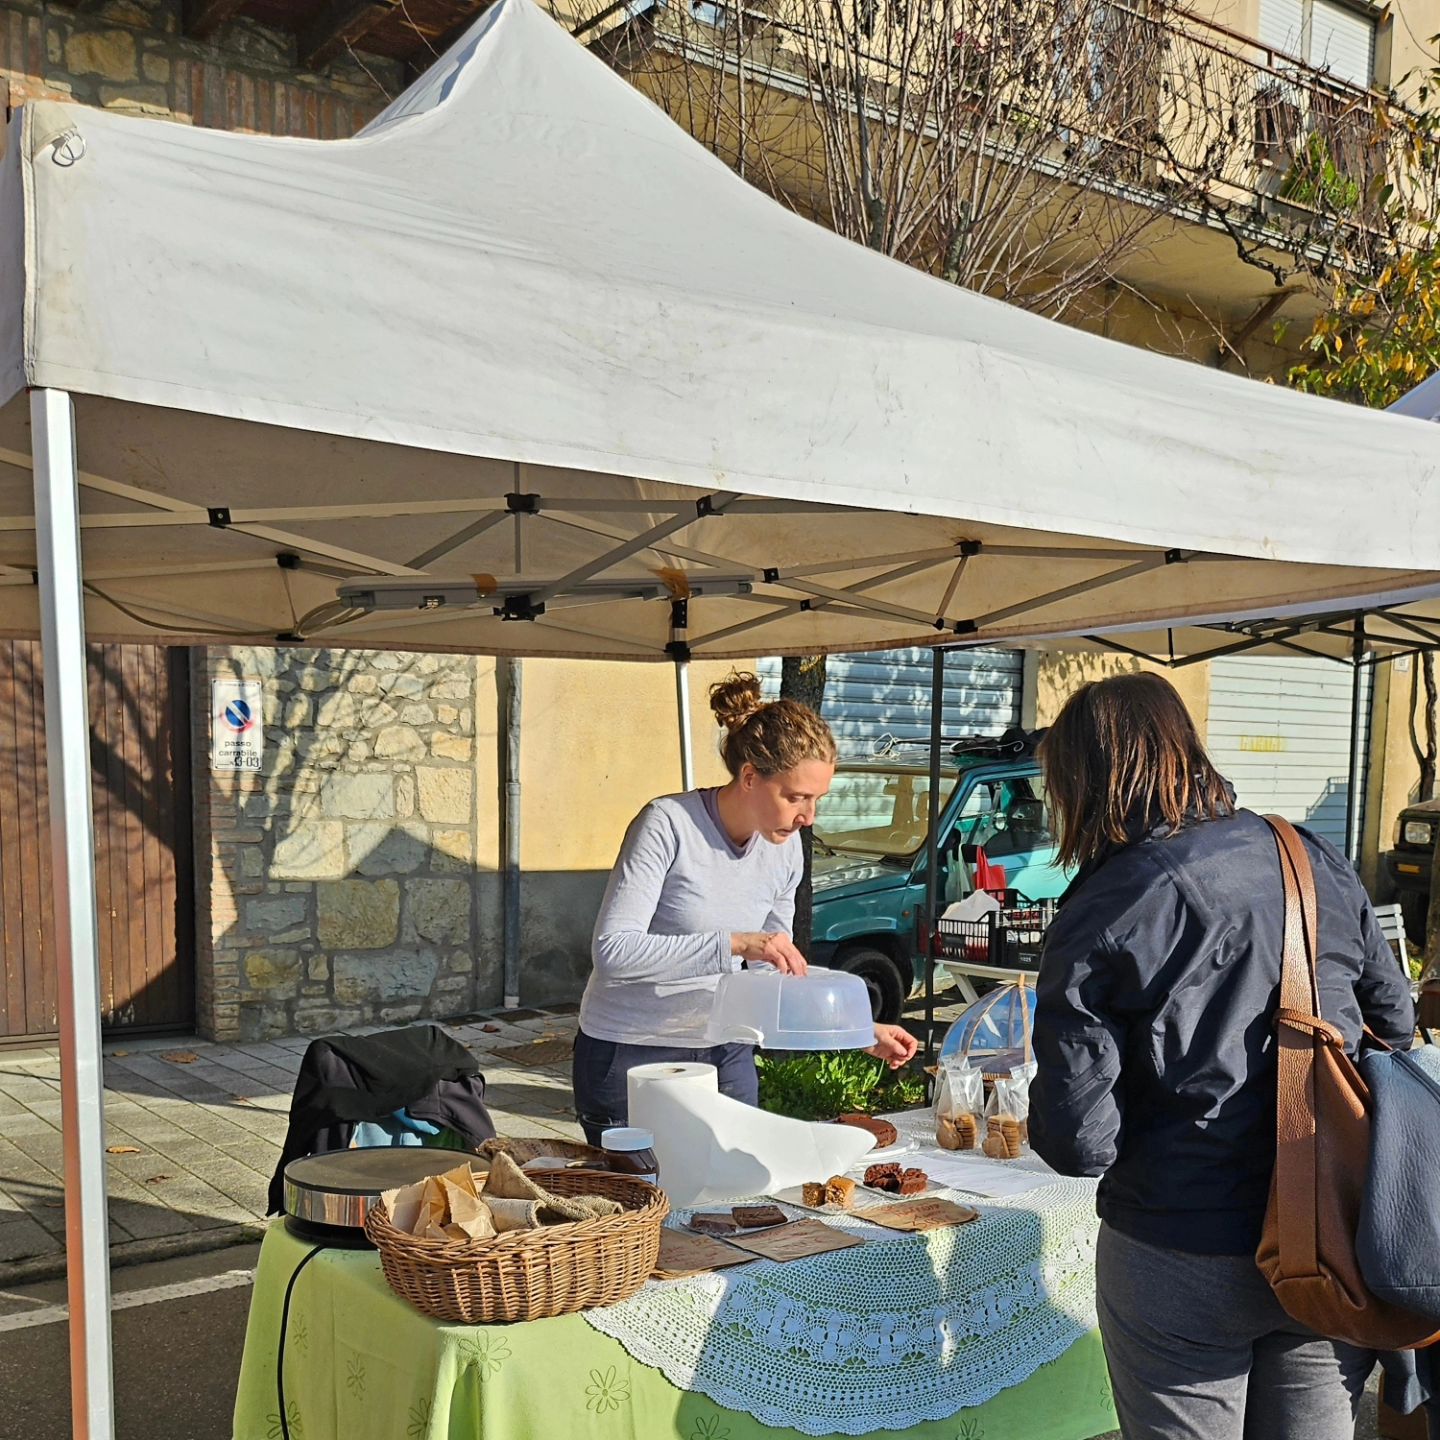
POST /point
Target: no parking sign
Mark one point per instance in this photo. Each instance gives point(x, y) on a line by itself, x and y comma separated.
point(237, 730)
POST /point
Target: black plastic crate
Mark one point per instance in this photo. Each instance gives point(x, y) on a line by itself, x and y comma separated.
point(1010, 937)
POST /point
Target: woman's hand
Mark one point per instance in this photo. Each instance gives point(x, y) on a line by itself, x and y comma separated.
point(894, 1045)
point(759, 948)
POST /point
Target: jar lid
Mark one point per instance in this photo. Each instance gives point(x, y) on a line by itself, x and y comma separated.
point(626, 1137)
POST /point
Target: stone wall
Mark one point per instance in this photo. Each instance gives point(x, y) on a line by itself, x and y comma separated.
point(353, 881)
point(130, 55)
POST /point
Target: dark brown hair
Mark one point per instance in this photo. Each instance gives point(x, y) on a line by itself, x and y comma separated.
point(773, 737)
point(1123, 752)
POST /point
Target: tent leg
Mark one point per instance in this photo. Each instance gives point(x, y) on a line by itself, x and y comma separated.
point(682, 710)
point(1357, 767)
point(75, 949)
point(511, 676)
point(932, 848)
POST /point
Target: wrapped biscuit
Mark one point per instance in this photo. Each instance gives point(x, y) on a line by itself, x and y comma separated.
point(959, 1106)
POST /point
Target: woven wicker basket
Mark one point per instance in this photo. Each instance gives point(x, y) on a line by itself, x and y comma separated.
point(530, 1274)
point(523, 1150)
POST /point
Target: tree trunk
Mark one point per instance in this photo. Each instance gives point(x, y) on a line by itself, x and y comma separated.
point(1425, 755)
point(802, 678)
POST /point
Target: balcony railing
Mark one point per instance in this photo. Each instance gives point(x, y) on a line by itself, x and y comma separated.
point(1155, 100)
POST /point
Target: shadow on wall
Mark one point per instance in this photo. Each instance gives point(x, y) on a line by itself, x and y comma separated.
point(1326, 815)
point(353, 881)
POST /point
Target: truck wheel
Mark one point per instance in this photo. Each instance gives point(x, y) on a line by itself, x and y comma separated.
point(882, 980)
point(1414, 909)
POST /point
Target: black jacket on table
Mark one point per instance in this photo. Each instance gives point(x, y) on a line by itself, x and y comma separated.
point(1154, 1025)
point(345, 1079)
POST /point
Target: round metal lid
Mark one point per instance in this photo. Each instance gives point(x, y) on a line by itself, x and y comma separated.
point(369, 1169)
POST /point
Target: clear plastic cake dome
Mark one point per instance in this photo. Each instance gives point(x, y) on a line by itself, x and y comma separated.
point(822, 1010)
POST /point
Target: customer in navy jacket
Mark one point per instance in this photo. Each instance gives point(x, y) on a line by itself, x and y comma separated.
point(1154, 1033)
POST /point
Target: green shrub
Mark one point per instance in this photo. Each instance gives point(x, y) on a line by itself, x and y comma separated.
point(1314, 179)
point(822, 1084)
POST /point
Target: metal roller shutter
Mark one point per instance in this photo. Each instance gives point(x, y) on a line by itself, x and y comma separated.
point(888, 691)
point(1342, 42)
point(1323, 33)
point(1279, 731)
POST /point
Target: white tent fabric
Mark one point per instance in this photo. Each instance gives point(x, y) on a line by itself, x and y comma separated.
point(523, 280)
point(1392, 625)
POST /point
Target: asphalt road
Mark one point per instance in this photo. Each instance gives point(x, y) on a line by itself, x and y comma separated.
point(177, 1351)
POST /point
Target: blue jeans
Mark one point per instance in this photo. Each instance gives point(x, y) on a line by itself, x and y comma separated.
point(600, 1068)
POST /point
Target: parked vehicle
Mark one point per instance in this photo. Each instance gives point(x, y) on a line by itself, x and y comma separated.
point(870, 850)
point(1408, 864)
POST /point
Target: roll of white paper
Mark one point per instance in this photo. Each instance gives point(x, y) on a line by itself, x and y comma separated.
point(713, 1148)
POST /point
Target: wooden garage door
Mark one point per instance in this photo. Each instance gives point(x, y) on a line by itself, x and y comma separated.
point(140, 772)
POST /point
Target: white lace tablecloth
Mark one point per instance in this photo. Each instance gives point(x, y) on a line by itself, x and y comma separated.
point(887, 1334)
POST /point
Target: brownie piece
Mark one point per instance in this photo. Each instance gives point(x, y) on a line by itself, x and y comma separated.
point(812, 1192)
point(711, 1223)
point(914, 1182)
point(884, 1132)
point(757, 1217)
point(883, 1177)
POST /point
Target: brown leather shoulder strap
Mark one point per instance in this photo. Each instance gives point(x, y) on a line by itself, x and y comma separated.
point(1300, 983)
point(1296, 1168)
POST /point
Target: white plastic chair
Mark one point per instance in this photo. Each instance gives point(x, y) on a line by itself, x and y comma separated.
point(1392, 927)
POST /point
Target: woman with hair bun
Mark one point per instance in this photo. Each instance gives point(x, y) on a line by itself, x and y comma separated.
point(705, 883)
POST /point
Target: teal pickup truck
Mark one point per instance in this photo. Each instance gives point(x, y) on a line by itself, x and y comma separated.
point(869, 854)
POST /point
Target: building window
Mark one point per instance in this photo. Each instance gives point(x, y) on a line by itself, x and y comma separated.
point(1324, 34)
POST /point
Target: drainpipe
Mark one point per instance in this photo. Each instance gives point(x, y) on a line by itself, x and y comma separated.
point(510, 679)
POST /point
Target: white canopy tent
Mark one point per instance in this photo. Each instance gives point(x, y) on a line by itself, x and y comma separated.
point(522, 369)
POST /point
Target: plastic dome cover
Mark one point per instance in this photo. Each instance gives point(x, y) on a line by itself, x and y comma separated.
point(821, 1010)
point(991, 1025)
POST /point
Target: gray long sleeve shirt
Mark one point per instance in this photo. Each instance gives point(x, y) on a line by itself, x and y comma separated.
point(680, 888)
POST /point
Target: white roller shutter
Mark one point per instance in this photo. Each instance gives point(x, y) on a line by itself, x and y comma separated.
point(1282, 26)
point(888, 691)
point(1279, 731)
point(1324, 34)
point(1342, 41)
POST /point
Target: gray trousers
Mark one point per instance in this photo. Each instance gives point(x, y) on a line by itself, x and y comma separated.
point(1199, 1349)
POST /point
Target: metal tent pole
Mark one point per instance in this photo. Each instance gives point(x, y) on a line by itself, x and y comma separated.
point(932, 847)
point(1357, 766)
point(75, 949)
point(512, 679)
point(682, 708)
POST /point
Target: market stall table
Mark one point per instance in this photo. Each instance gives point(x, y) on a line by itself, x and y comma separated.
point(360, 1363)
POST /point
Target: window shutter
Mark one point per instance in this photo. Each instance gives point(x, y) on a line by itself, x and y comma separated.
point(1282, 26)
point(1342, 42)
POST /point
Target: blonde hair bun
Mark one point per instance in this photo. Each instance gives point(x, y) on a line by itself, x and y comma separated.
point(736, 698)
point(773, 737)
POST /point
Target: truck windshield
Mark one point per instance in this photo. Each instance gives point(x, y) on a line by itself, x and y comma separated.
point(878, 812)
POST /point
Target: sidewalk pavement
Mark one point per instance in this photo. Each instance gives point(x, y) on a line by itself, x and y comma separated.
point(194, 1131)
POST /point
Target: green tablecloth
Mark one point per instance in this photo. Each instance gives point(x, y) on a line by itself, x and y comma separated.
point(360, 1364)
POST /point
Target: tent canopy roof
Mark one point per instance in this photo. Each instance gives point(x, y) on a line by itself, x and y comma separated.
point(524, 347)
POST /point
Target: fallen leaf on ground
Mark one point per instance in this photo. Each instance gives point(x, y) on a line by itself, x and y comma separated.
point(491, 1029)
point(156, 1179)
point(54, 1204)
point(180, 1057)
point(242, 1099)
point(116, 1054)
point(122, 1150)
